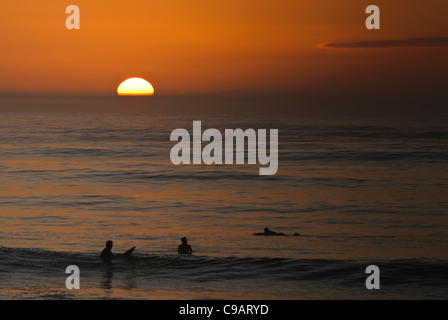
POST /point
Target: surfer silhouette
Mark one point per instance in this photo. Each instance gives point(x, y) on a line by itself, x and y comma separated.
point(107, 254)
point(184, 248)
point(268, 232)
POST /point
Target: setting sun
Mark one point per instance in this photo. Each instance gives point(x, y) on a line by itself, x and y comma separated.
point(135, 87)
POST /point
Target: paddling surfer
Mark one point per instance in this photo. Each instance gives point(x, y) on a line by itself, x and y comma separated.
point(268, 232)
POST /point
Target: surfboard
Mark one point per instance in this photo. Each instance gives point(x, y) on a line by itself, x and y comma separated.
point(128, 253)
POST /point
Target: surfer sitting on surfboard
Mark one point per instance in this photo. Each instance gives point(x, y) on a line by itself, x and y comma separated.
point(107, 254)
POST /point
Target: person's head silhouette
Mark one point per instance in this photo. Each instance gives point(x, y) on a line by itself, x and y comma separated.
point(109, 244)
point(184, 240)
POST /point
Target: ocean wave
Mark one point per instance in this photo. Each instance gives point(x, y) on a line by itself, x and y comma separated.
point(419, 272)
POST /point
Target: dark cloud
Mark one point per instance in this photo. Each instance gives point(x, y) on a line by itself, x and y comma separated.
point(412, 42)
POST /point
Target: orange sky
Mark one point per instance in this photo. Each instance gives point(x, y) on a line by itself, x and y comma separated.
point(194, 47)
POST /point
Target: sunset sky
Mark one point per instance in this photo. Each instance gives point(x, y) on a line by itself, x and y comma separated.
point(197, 47)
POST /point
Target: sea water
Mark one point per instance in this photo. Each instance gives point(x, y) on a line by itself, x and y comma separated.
point(359, 191)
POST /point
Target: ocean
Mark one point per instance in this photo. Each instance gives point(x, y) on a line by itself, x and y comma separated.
point(360, 191)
